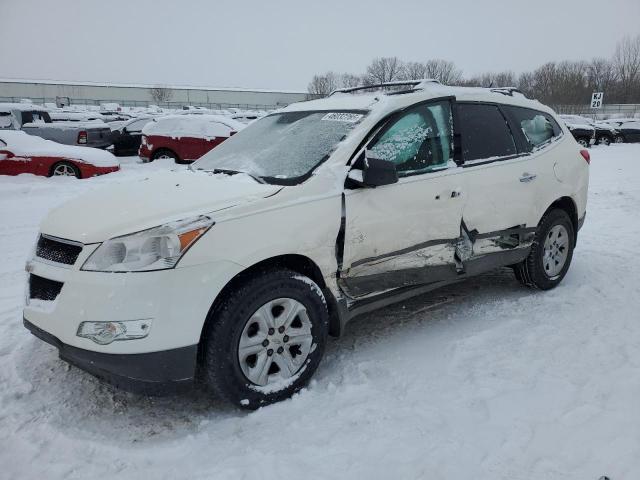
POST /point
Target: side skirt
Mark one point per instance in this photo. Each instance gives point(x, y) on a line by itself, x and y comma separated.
point(440, 279)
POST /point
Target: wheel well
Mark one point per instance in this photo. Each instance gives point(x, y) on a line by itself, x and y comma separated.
point(163, 149)
point(568, 205)
point(298, 263)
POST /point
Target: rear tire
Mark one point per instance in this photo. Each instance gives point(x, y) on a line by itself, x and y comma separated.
point(249, 358)
point(604, 140)
point(551, 252)
point(65, 169)
point(618, 139)
point(164, 154)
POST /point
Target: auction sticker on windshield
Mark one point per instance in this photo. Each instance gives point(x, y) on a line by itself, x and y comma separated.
point(342, 117)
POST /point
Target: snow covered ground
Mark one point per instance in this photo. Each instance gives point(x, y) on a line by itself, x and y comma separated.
point(483, 380)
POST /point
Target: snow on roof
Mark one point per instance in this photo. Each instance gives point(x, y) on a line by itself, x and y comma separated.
point(198, 126)
point(23, 144)
point(22, 107)
point(388, 101)
point(140, 85)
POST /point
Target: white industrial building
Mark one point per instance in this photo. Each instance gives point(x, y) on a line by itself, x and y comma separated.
point(88, 93)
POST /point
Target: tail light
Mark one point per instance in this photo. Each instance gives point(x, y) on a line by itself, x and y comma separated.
point(82, 137)
point(586, 156)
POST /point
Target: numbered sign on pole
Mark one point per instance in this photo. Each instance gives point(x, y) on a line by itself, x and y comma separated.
point(596, 99)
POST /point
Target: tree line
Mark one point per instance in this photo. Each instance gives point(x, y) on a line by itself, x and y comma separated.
point(554, 83)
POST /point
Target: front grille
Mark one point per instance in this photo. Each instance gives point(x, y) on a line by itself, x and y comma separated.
point(43, 288)
point(57, 251)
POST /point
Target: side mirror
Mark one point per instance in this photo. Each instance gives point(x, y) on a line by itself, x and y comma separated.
point(378, 172)
point(7, 154)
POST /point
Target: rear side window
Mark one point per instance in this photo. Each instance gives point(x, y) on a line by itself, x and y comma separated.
point(484, 131)
point(538, 128)
point(35, 117)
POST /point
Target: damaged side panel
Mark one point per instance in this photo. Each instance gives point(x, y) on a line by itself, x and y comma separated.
point(437, 261)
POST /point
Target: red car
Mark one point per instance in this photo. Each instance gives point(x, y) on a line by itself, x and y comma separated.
point(185, 138)
point(24, 153)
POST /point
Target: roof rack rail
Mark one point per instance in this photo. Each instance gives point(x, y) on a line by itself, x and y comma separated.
point(414, 84)
point(507, 91)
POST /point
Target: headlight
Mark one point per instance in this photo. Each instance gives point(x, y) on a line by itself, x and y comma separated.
point(157, 248)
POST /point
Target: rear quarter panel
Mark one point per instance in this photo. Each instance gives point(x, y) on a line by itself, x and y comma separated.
point(187, 148)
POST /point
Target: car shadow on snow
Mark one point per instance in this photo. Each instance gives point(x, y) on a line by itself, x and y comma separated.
point(80, 405)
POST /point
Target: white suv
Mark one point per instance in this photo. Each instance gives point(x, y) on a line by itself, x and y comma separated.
point(235, 272)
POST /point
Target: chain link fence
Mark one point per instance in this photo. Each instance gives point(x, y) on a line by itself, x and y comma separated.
point(623, 110)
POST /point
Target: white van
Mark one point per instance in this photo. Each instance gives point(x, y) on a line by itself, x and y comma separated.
point(235, 272)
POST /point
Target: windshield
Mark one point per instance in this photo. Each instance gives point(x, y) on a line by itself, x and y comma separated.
point(283, 147)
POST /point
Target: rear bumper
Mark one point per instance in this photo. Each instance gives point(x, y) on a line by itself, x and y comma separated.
point(155, 373)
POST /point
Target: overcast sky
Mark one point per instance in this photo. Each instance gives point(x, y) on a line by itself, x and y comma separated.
point(281, 44)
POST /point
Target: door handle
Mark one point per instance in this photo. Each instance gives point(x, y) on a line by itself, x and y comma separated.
point(527, 177)
point(456, 193)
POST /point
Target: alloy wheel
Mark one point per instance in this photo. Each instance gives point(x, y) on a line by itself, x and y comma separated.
point(275, 342)
point(556, 250)
point(64, 170)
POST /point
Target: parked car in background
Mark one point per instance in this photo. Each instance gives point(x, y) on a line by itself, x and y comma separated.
point(584, 134)
point(37, 121)
point(185, 138)
point(64, 116)
point(127, 138)
point(311, 216)
point(603, 134)
point(23, 153)
point(628, 128)
point(246, 117)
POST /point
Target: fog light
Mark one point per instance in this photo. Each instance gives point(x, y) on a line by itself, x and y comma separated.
point(103, 333)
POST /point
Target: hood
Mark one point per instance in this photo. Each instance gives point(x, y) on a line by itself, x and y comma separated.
point(129, 207)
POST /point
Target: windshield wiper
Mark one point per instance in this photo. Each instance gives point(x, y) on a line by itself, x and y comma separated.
point(234, 172)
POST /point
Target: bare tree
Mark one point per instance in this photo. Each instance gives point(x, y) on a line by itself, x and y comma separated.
point(601, 75)
point(526, 84)
point(555, 83)
point(491, 79)
point(349, 80)
point(627, 63)
point(323, 84)
point(160, 94)
point(384, 69)
point(414, 71)
point(444, 71)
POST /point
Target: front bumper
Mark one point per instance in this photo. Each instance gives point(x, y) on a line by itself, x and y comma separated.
point(153, 373)
point(89, 171)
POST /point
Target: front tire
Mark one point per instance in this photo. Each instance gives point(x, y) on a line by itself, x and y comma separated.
point(584, 142)
point(551, 252)
point(264, 341)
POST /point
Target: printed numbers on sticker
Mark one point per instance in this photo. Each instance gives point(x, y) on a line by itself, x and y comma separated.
point(342, 117)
